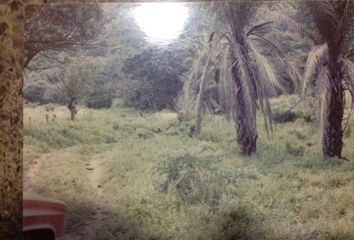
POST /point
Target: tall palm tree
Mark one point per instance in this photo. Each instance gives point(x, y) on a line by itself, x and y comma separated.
point(254, 75)
point(251, 73)
point(329, 67)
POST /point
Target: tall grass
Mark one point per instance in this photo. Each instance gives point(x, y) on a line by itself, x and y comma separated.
point(160, 183)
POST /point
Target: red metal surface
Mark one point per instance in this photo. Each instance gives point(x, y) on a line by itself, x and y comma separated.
point(41, 213)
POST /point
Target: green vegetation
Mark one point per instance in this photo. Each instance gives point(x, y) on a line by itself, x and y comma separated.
point(193, 137)
point(160, 183)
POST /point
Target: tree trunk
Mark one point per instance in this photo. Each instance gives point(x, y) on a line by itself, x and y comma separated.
point(73, 111)
point(199, 118)
point(332, 131)
point(245, 110)
point(72, 114)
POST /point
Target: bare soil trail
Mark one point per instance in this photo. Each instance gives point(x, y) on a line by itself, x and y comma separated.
point(30, 177)
point(95, 171)
point(89, 228)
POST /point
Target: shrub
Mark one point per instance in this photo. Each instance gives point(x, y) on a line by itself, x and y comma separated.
point(144, 133)
point(155, 83)
point(42, 93)
point(193, 178)
point(115, 126)
point(283, 117)
point(295, 150)
point(347, 131)
point(49, 107)
point(99, 98)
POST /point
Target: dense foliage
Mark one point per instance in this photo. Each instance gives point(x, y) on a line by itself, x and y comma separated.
point(155, 77)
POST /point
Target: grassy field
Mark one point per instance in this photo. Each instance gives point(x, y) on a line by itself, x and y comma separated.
point(157, 182)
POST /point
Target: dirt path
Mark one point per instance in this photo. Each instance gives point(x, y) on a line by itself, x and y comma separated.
point(94, 171)
point(88, 232)
point(29, 179)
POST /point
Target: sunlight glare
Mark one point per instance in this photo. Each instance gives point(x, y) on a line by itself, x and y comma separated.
point(161, 22)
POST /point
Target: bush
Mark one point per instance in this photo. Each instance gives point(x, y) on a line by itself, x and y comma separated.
point(42, 93)
point(99, 98)
point(283, 117)
point(295, 150)
point(154, 77)
point(193, 178)
point(49, 107)
point(347, 131)
point(143, 133)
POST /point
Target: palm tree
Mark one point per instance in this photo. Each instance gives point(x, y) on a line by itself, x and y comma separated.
point(239, 57)
point(329, 70)
point(254, 75)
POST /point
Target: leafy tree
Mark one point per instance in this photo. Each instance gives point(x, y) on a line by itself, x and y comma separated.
point(99, 95)
point(61, 27)
point(72, 84)
point(155, 77)
point(329, 67)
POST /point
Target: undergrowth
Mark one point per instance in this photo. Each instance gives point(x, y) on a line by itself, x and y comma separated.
point(162, 183)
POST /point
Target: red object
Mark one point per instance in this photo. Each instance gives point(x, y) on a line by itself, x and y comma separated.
point(43, 218)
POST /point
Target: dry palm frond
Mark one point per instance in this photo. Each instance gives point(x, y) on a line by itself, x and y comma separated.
point(348, 72)
point(349, 53)
point(267, 81)
point(294, 74)
point(292, 70)
point(262, 28)
point(188, 98)
point(314, 61)
point(226, 86)
point(214, 48)
point(267, 72)
point(286, 22)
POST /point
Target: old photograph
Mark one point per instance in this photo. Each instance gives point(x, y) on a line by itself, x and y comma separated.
point(189, 120)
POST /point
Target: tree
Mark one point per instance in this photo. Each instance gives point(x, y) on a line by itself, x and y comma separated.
point(52, 28)
point(202, 85)
point(154, 77)
point(329, 67)
point(245, 75)
point(72, 83)
point(254, 75)
point(202, 90)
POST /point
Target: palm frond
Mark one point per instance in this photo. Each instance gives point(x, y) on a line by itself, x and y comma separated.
point(348, 79)
point(266, 70)
point(333, 19)
point(314, 61)
point(348, 82)
point(188, 97)
point(260, 28)
point(286, 22)
point(349, 53)
point(226, 86)
point(292, 70)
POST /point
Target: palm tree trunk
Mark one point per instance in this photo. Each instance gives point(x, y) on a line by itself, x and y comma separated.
point(332, 131)
point(199, 118)
point(245, 114)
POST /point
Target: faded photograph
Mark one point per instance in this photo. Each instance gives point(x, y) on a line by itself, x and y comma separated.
point(174, 120)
